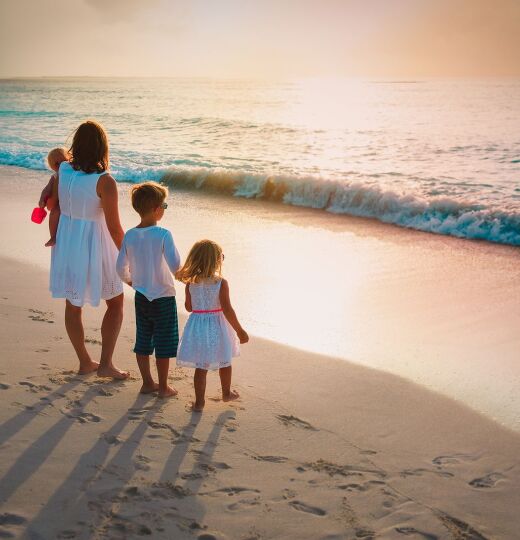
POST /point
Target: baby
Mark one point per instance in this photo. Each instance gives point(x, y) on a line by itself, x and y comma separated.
point(48, 196)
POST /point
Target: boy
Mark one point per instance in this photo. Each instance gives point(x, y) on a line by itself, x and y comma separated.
point(147, 259)
point(54, 159)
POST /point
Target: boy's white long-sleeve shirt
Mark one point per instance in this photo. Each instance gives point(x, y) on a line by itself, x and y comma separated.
point(148, 257)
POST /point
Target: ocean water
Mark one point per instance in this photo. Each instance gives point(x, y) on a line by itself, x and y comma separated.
point(434, 155)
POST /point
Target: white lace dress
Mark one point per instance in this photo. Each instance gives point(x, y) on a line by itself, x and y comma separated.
point(83, 261)
point(208, 340)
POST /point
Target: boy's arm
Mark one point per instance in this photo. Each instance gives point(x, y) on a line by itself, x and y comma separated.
point(122, 266)
point(171, 255)
point(229, 312)
point(187, 301)
point(46, 192)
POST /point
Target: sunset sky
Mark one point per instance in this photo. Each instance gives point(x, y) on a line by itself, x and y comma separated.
point(260, 38)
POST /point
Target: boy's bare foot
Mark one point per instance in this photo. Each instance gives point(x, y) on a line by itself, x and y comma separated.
point(169, 392)
point(233, 394)
point(147, 389)
point(197, 407)
point(84, 369)
point(51, 242)
point(112, 371)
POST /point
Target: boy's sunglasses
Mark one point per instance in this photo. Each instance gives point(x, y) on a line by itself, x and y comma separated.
point(164, 205)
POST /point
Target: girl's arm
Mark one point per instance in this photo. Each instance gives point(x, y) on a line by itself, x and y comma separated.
point(187, 301)
point(107, 192)
point(229, 312)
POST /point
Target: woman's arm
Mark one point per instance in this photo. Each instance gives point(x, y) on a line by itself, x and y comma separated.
point(187, 302)
point(107, 192)
point(229, 312)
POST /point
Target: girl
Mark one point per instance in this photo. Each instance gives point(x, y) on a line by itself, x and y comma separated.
point(210, 336)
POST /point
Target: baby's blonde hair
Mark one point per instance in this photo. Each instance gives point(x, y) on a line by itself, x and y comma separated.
point(204, 261)
point(56, 156)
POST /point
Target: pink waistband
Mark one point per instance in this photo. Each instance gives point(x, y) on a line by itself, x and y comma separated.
point(206, 311)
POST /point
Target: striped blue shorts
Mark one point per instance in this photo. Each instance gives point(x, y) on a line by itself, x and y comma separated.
point(157, 326)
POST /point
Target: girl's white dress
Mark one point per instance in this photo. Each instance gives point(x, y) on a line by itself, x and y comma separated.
point(208, 340)
point(83, 261)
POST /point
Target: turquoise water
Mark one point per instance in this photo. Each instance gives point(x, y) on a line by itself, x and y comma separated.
point(440, 156)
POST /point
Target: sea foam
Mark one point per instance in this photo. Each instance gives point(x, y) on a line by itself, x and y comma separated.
point(440, 214)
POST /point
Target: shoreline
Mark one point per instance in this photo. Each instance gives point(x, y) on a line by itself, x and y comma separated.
point(350, 450)
point(437, 310)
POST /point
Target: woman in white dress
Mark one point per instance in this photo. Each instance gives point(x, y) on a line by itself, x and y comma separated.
point(83, 261)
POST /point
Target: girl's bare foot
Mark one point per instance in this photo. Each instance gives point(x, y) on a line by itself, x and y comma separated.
point(51, 242)
point(149, 389)
point(169, 392)
point(112, 371)
point(197, 407)
point(233, 394)
point(86, 368)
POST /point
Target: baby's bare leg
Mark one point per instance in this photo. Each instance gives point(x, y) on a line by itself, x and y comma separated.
point(54, 218)
point(163, 367)
point(149, 385)
point(225, 381)
point(199, 382)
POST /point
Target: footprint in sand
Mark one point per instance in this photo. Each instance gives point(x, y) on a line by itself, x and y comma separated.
point(361, 487)
point(8, 520)
point(420, 472)
point(333, 469)
point(458, 528)
point(243, 504)
point(41, 316)
point(302, 507)
point(409, 531)
point(487, 481)
point(81, 416)
point(112, 439)
point(453, 459)
point(271, 459)
point(141, 462)
point(289, 420)
point(94, 341)
point(168, 490)
point(35, 387)
point(213, 466)
point(4, 386)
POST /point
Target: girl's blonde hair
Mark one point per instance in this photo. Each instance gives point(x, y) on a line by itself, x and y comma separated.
point(204, 261)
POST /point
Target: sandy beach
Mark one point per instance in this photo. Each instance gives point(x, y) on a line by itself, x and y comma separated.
point(317, 447)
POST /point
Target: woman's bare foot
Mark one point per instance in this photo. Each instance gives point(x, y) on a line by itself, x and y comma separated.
point(233, 394)
point(87, 368)
point(149, 389)
point(113, 372)
point(169, 392)
point(197, 407)
point(51, 242)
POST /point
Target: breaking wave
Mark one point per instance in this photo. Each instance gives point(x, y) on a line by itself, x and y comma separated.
point(440, 214)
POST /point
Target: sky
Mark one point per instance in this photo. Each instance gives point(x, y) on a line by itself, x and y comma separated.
point(260, 38)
